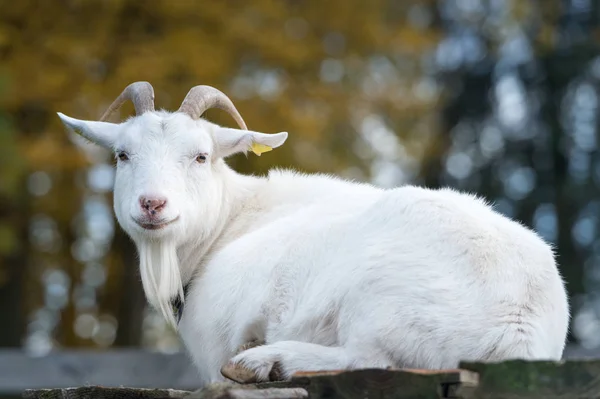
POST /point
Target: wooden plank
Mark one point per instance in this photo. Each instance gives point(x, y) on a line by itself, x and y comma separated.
point(384, 383)
point(229, 390)
point(508, 380)
point(449, 376)
point(524, 380)
point(211, 392)
point(116, 368)
point(268, 393)
point(104, 393)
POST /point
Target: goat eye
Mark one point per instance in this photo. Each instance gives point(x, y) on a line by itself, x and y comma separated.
point(201, 158)
point(123, 156)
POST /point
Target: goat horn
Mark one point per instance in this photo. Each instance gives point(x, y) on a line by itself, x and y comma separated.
point(141, 94)
point(201, 98)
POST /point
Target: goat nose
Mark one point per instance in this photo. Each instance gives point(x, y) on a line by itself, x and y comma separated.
point(152, 204)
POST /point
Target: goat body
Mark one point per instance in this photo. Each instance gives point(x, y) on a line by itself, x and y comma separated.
point(336, 275)
point(329, 274)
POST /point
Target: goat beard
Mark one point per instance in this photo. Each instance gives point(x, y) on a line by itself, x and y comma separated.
point(161, 277)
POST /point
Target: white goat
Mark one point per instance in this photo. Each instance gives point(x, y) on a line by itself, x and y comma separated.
point(329, 274)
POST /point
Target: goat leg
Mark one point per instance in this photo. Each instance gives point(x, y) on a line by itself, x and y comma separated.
point(242, 375)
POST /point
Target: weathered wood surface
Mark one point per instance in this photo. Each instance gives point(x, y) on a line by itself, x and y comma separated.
point(269, 393)
point(103, 393)
point(216, 391)
point(390, 383)
point(507, 380)
point(250, 391)
point(370, 383)
point(116, 368)
point(524, 380)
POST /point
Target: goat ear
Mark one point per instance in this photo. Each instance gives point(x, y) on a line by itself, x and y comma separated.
point(101, 133)
point(232, 141)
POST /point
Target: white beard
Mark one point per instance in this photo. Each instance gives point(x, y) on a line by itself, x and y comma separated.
point(161, 278)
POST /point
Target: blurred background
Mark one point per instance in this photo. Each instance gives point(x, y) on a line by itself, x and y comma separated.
point(496, 97)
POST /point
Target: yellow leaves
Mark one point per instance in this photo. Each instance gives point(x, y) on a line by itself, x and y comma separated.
point(48, 153)
point(77, 65)
point(6, 36)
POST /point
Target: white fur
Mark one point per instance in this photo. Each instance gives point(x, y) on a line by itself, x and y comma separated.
point(330, 274)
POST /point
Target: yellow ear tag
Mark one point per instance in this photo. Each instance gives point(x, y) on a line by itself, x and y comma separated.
point(260, 148)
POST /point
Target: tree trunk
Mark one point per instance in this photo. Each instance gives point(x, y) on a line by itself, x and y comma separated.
point(13, 266)
point(131, 306)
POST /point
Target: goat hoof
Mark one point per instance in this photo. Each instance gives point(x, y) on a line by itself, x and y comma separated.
point(238, 373)
point(241, 375)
